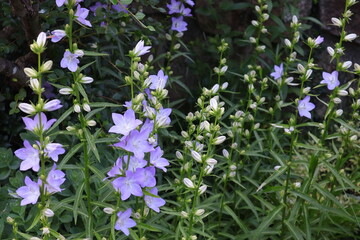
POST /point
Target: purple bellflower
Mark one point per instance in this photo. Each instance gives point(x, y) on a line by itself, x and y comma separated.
point(190, 2)
point(279, 71)
point(30, 192)
point(147, 176)
point(38, 123)
point(162, 117)
point(96, 7)
point(157, 160)
point(136, 163)
point(81, 14)
point(70, 61)
point(128, 185)
point(305, 106)
point(154, 202)
point(331, 79)
point(30, 157)
point(124, 222)
point(53, 150)
point(57, 35)
point(124, 124)
point(174, 6)
point(319, 40)
point(140, 49)
point(59, 3)
point(158, 81)
point(178, 24)
point(117, 169)
point(185, 11)
point(52, 105)
point(54, 180)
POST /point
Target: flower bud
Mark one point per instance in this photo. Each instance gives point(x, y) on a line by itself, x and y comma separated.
point(301, 68)
point(199, 212)
point(184, 214)
point(277, 167)
point(77, 108)
point(188, 183)
point(225, 153)
point(337, 22)
point(350, 37)
point(65, 91)
point(255, 23)
point(177, 46)
point(27, 108)
point(179, 155)
point(339, 112)
point(30, 72)
point(195, 155)
point(342, 93)
point(48, 212)
point(108, 210)
point(86, 80)
point(287, 43)
point(219, 140)
point(252, 40)
point(331, 51)
point(46, 66)
point(86, 107)
point(202, 189)
point(337, 100)
point(34, 84)
point(211, 161)
point(45, 231)
point(346, 64)
point(41, 40)
point(297, 184)
point(91, 123)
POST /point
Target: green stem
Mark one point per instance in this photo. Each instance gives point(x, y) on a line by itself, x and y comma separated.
point(89, 223)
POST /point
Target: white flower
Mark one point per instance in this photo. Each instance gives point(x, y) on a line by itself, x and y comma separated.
point(188, 183)
point(30, 72)
point(48, 212)
point(195, 155)
point(336, 22)
point(41, 39)
point(202, 189)
point(350, 37)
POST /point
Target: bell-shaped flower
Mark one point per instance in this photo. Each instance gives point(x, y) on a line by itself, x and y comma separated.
point(305, 106)
point(330, 79)
point(38, 123)
point(54, 180)
point(30, 192)
point(154, 202)
point(124, 124)
point(124, 222)
point(53, 150)
point(30, 157)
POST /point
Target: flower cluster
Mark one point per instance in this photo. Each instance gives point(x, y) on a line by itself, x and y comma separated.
point(178, 7)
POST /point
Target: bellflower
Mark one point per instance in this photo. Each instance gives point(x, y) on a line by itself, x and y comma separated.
point(117, 168)
point(305, 106)
point(190, 2)
point(154, 202)
point(124, 222)
point(27, 108)
point(95, 7)
point(70, 61)
point(279, 71)
point(81, 14)
point(54, 180)
point(158, 81)
point(157, 160)
point(318, 40)
point(331, 79)
point(185, 11)
point(120, 7)
point(129, 185)
point(53, 150)
point(140, 49)
point(57, 35)
point(136, 163)
point(162, 117)
point(52, 105)
point(174, 6)
point(178, 24)
point(124, 124)
point(30, 157)
point(30, 192)
point(147, 176)
point(38, 123)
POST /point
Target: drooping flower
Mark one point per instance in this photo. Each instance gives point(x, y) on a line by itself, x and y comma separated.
point(178, 24)
point(30, 157)
point(30, 192)
point(158, 81)
point(124, 124)
point(157, 160)
point(70, 61)
point(128, 185)
point(53, 150)
point(52, 105)
point(57, 35)
point(331, 79)
point(124, 222)
point(81, 14)
point(38, 123)
point(305, 106)
point(140, 49)
point(154, 202)
point(279, 71)
point(54, 180)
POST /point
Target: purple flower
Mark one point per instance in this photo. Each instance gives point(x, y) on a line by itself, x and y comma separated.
point(162, 117)
point(120, 7)
point(30, 193)
point(53, 150)
point(81, 14)
point(279, 71)
point(185, 11)
point(147, 176)
point(190, 2)
point(331, 79)
point(154, 202)
point(57, 35)
point(49, 90)
point(174, 6)
point(37, 123)
point(96, 6)
point(158, 81)
point(30, 157)
point(128, 185)
point(70, 61)
point(136, 142)
point(59, 3)
point(157, 160)
point(305, 106)
point(319, 40)
point(54, 180)
point(52, 105)
point(178, 24)
point(140, 49)
point(117, 168)
point(124, 222)
point(124, 124)
point(136, 163)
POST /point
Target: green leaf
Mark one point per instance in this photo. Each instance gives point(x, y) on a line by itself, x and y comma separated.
point(69, 155)
point(78, 197)
point(94, 54)
point(91, 143)
point(61, 119)
point(36, 220)
point(295, 231)
point(139, 15)
point(85, 66)
point(82, 91)
point(126, 2)
point(147, 227)
point(275, 175)
point(240, 223)
point(265, 223)
point(104, 104)
point(346, 125)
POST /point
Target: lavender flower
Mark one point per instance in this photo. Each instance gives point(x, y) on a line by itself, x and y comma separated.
point(136, 163)
point(147, 176)
point(331, 79)
point(154, 202)
point(124, 222)
point(158, 81)
point(37, 123)
point(185, 11)
point(95, 7)
point(174, 6)
point(279, 71)
point(81, 14)
point(120, 7)
point(178, 24)
point(117, 168)
point(52, 105)
point(318, 40)
point(30, 157)
point(54, 180)
point(70, 61)
point(140, 49)
point(305, 106)
point(53, 150)
point(30, 193)
point(57, 35)
point(162, 117)
point(190, 2)
point(124, 124)
point(128, 185)
point(157, 160)
point(59, 3)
